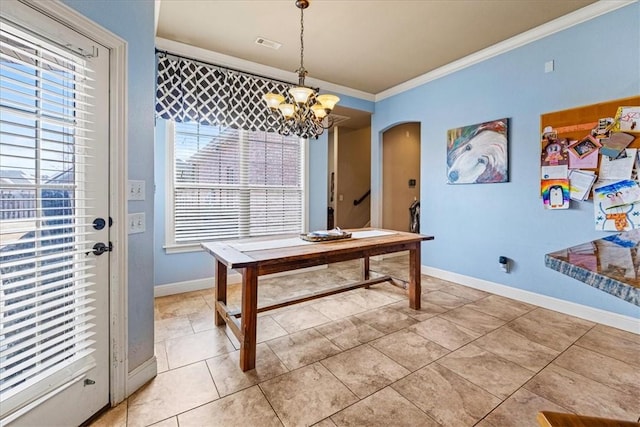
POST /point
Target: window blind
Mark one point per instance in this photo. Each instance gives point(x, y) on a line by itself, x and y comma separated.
point(232, 183)
point(45, 275)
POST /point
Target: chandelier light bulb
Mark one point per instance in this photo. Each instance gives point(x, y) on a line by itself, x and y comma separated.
point(300, 94)
point(273, 100)
point(328, 101)
point(287, 110)
point(319, 111)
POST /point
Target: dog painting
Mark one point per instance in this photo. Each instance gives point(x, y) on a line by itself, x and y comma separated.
point(478, 153)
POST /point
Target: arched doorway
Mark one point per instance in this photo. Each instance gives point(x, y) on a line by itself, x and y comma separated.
point(400, 175)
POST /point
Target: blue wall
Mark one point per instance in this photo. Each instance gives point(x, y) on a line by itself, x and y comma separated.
point(133, 21)
point(473, 225)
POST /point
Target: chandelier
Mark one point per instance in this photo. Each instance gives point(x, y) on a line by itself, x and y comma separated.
point(308, 113)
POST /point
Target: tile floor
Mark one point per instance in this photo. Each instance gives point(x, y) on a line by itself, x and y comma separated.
point(363, 358)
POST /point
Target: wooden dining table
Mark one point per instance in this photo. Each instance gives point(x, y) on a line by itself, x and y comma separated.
point(258, 257)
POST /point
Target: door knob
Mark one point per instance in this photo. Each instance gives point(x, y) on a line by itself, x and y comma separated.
point(100, 248)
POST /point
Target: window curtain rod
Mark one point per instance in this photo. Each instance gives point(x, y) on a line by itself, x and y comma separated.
point(210, 64)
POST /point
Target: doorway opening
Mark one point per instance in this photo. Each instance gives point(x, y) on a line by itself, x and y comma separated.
point(349, 170)
point(401, 177)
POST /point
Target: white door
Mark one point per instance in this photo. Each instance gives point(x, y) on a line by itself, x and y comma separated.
point(54, 189)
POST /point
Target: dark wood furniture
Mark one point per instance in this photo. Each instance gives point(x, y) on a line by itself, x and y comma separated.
point(557, 419)
point(268, 258)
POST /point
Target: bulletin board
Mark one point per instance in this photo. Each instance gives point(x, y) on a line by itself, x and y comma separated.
point(576, 123)
point(585, 143)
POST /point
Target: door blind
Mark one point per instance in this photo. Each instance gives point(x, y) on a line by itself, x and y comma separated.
point(46, 278)
point(231, 183)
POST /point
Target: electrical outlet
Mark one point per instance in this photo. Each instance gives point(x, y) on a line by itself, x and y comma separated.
point(503, 262)
point(136, 223)
point(136, 190)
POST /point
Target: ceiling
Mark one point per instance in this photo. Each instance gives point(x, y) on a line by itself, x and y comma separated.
point(369, 46)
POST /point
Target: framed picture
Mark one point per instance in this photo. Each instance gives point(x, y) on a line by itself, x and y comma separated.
point(585, 146)
point(477, 154)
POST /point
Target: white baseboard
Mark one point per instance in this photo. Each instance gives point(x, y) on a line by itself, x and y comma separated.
point(615, 320)
point(187, 286)
point(141, 375)
point(200, 284)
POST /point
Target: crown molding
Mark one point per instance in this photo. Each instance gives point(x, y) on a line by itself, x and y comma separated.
point(562, 23)
point(156, 16)
point(253, 67)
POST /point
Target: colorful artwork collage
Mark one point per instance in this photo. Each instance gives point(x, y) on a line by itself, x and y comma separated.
point(599, 159)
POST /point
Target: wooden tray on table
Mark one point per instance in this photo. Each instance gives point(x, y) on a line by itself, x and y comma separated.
point(325, 236)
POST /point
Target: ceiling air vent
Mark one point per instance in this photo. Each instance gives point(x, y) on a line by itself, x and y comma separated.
point(337, 119)
point(268, 43)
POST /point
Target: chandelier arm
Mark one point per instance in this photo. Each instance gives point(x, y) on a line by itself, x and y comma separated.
point(329, 122)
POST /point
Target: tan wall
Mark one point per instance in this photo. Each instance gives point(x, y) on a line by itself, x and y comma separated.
point(400, 163)
point(331, 166)
point(353, 177)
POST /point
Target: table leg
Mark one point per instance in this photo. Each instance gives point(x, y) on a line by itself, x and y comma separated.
point(365, 270)
point(249, 318)
point(414, 277)
point(221, 290)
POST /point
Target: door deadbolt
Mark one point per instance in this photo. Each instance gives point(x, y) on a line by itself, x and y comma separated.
point(99, 223)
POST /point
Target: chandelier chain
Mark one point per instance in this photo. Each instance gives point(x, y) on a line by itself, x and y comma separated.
point(302, 70)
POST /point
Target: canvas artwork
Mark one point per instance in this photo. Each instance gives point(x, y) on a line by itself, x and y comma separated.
point(477, 154)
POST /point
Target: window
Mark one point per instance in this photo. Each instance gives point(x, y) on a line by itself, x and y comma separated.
point(226, 183)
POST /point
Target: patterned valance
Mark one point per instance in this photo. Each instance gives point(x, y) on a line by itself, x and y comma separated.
point(192, 91)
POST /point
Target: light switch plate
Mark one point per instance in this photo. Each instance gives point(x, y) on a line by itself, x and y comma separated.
point(548, 66)
point(136, 223)
point(136, 190)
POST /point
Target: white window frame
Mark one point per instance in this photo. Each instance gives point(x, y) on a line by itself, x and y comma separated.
point(170, 245)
